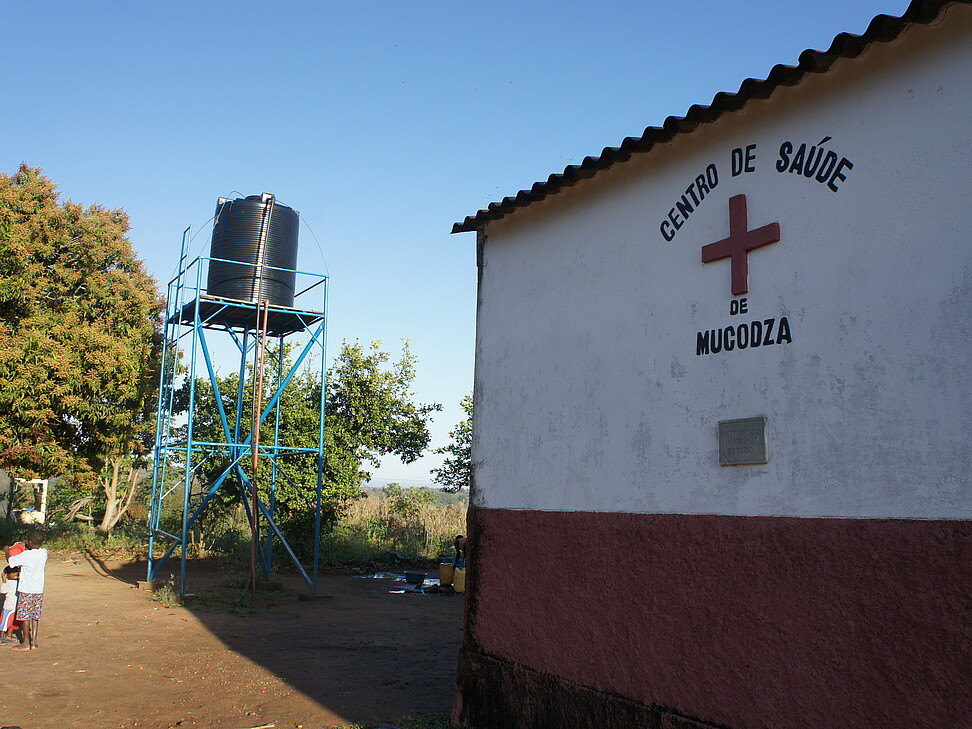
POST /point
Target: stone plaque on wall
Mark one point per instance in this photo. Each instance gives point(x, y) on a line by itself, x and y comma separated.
point(742, 442)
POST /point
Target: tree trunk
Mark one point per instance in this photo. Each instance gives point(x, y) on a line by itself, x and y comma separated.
point(201, 527)
point(73, 510)
point(116, 506)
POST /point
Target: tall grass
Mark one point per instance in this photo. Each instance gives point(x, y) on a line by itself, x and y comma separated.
point(397, 523)
point(130, 540)
point(404, 521)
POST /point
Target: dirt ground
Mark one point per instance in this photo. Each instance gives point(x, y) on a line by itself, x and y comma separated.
point(110, 656)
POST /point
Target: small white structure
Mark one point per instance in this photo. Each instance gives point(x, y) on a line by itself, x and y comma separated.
point(723, 415)
point(38, 513)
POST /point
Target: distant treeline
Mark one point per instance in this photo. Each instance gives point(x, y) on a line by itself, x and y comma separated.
point(440, 498)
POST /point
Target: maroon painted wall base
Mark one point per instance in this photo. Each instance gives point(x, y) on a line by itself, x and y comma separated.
point(741, 622)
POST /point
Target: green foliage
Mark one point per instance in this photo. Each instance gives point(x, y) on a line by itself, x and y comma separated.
point(403, 522)
point(406, 522)
point(456, 470)
point(414, 524)
point(61, 495)
point(370, 414)
point(79, 334)
point(232, 595)
point(438, 496)
point(406, 502)
point(11, 531)
point(298, 427)
point(75, 537)
point(167, 593)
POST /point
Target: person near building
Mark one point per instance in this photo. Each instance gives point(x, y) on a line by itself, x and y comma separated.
point(30, 597)
point(8, 618)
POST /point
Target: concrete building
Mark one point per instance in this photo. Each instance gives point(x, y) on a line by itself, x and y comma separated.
point(722, 430)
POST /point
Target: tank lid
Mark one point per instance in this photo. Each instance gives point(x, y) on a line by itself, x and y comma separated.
point(264, 198)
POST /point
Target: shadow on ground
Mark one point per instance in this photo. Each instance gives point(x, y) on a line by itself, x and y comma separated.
point(354, 647)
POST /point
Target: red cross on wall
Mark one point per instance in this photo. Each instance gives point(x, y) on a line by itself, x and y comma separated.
point(739, 243)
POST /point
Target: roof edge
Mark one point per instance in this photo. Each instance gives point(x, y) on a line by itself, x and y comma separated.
point(881, 29)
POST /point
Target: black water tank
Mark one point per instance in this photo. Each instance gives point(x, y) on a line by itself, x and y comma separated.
point(259, 231)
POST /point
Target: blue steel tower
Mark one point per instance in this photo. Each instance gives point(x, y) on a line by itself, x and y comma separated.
point(249, 299)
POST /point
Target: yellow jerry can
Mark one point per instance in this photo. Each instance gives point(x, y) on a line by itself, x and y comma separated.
point(459, 579)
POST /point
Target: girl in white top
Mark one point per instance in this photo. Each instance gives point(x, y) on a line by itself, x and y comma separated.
point(30, 591)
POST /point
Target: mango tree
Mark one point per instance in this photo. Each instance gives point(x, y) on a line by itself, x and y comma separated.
point(79, 342)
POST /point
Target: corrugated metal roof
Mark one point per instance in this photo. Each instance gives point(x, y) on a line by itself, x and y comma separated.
point(882, 28)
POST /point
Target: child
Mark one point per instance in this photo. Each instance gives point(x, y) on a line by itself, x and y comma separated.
point(30, 595)
point(8, 622)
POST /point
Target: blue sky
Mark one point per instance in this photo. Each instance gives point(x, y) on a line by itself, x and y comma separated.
point(381, 121)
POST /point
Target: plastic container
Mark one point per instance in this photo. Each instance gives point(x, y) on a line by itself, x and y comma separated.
point(261, 234)
point(415, 578)
point(459, 579)
point(446, 573)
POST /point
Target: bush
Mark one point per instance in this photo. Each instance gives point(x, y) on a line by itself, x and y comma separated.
point(393, 527)
point(129, 539)
point(11, 531)
point(406, 521)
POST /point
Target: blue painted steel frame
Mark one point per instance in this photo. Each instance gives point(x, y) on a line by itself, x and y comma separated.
point(191, 453)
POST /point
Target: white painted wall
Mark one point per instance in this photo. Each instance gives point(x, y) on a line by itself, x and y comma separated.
point(589, 391)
